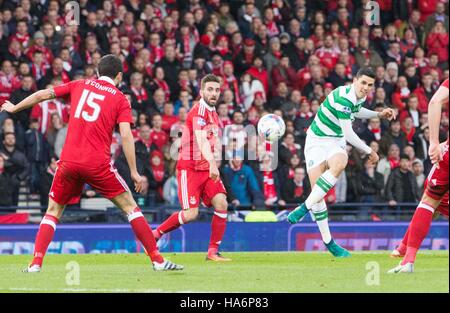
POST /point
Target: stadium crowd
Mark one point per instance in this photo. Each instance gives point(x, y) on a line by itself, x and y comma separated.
point(279, 56)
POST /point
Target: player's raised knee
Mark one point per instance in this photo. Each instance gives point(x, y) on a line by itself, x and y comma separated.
point(190, 215)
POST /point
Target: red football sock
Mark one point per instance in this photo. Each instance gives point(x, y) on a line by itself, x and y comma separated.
point(418, 230)
point(173, 222)
point(43, 238)
point(218, 225)
point(404, 243)
point(144, 234)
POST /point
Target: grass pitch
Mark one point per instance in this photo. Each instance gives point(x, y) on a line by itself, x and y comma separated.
point(248, 272)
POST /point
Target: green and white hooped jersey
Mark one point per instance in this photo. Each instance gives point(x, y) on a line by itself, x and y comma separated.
point(340, 104)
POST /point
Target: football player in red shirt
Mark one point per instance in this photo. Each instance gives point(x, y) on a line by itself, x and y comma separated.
point(436, 190)
point(97, 106)
point(197, 173)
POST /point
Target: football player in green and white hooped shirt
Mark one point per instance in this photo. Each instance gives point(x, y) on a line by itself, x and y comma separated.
point(325, 148)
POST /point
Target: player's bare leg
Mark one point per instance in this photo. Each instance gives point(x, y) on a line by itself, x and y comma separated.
point(143, 232)
point(322, 178)
point(45, 235)
point(218, 225)
point(417, 231)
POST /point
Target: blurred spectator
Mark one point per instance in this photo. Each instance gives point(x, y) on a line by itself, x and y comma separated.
point(5, 185)
point(394, 135)
point(52, 133)
point(401, 93)
point(156, 175)
point(55, 71)
point(250, 87)
point(140, 96)
point(8, 81)
point(411, 111)
point(296, 189)
point(372, 132)
point(437, 42)
point(365, 57)
point(288, 148)
point(46, 181)
point(402, 185)
point(269, 181)
point(157, 135)
point(168, 117)
point(438, 15)
point(390, 162)
point(16, 164)
point(424, 92)
point(283, 72)
point(26, 89)
point(418, 170)
point(371, 183)
point(258, 71)
point(42, 112)
point(37, 151)
point(170, 190)
point(243, 182)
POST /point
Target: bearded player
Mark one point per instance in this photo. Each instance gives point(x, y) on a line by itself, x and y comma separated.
point(436, 191)
point(197, 172)
point(97, 106)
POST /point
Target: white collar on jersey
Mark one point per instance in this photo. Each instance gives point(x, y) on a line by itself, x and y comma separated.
point(206, 105)
point(107, 79)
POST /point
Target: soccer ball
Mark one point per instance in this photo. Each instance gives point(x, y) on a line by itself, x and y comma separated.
point(271, 127)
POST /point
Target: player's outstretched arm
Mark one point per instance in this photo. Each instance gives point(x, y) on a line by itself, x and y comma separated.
point(387, 113)
point(353, 139)
point(28, 102)
point(130, 154)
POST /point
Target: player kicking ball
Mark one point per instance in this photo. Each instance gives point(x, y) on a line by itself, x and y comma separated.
point(197, 172)
point(97, 106)
point(435, 197)
point(325, 148)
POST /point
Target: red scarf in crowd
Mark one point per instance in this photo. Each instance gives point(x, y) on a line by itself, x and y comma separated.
point(163, 85)
point(298, 191)
point(376, 132)
point(38, 72)
point(270, 192)
point(410, 134)
point(232, 83)
point(156, 54)
point(272, 28)
point(186, 43)
point(140, 93)
point(393, 163)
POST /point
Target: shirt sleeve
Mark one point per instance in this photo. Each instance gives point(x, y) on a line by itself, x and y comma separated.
point(63, 90)
point(352, 138)
point(366, 114)
point(445, 83)
point(124, 114)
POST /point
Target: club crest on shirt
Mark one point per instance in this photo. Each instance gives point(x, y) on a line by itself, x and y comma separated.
point(193, 200)
point(201, 121)
point(346, 110)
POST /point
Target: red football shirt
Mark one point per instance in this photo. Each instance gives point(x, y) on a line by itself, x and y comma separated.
point(200, 117)
point(97, 106)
